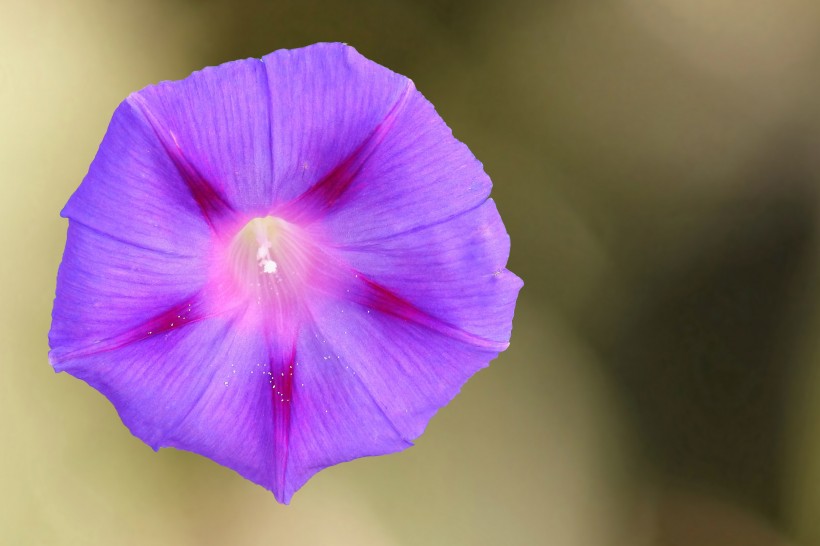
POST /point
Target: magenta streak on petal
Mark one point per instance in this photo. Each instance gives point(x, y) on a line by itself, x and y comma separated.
point(210, 202)
point(281, 368)
point(372, 295)
point(324, 194)
point(182, 314)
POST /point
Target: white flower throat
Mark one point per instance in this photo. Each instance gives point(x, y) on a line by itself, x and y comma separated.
point(271, 260)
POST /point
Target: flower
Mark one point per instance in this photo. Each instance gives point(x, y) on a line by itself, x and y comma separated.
point(281, 264)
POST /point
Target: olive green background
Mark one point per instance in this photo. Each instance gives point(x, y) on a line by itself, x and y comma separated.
point(656, 164)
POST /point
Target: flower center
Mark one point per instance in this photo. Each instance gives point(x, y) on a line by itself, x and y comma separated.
point(271, 261)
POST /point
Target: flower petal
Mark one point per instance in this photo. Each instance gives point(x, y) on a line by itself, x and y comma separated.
point(215, 124)
point(404, 169)
point(454, 271)
point(135, 194)
point(111, 293)
point(326, 100)
point(204, 388)
point(334, 418)
point(405, 373)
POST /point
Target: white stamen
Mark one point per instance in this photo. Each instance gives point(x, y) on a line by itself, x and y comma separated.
point(269, 266)
point(264, 250)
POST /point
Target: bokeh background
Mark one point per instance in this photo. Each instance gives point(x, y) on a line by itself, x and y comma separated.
point(656, 164)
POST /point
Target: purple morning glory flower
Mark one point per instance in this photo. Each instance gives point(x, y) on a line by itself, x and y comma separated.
point(282, 265)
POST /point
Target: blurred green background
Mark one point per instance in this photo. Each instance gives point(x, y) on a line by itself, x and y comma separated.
point(656, 166)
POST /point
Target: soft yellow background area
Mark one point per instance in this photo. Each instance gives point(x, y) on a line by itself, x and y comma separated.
point(656, 164)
